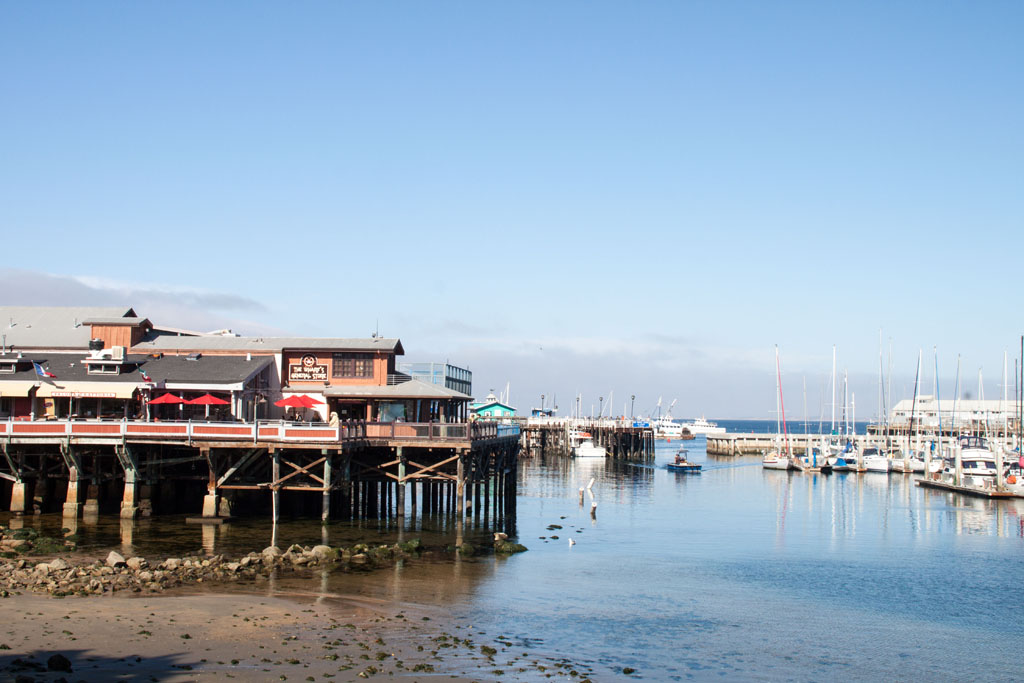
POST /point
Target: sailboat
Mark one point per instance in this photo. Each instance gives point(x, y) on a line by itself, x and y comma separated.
point(775, 458)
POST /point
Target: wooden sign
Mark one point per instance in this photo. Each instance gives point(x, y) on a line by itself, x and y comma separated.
point(307, 370)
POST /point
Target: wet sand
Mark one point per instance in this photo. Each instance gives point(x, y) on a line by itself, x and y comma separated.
point(241, 636)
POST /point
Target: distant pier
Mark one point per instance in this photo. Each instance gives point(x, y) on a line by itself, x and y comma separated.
point(622, 439)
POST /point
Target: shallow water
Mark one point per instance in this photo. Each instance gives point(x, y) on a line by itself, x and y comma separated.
point(738, 573)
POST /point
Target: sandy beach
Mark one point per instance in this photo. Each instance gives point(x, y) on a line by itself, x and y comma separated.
point(240, 636)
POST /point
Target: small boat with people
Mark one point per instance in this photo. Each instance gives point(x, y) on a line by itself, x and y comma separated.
point(681, 464)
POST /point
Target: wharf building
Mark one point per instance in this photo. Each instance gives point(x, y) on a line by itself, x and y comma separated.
point(955, 416)
point(102, 410)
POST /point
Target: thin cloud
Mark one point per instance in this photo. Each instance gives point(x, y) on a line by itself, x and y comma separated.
point(173, 307)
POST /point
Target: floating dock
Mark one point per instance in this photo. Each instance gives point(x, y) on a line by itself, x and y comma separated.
point(967, 490)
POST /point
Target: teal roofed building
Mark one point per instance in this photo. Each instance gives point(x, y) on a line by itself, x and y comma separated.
point(491, 407)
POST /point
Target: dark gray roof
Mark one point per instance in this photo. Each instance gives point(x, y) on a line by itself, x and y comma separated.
point(175, 369)
point(53, 327)
point(154, 341)
point(205, 370)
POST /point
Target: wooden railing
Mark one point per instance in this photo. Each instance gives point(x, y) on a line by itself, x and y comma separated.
point(276, 431)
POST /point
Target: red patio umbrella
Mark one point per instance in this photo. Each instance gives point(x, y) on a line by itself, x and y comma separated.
point(166, 399)
point(293, 402)
point(207, 400)
point(302, 401)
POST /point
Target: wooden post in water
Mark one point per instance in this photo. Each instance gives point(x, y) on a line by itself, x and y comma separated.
point(325, 512)
point(460, 497)
point(275, 493)
point(401, 484)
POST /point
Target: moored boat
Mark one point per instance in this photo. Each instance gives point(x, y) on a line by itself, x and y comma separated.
point(582, 445)
point(874, 459)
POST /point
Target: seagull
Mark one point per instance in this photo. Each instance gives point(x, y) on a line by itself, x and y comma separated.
point(572, 542)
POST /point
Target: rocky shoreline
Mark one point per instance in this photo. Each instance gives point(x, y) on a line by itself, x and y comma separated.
point(67, 575)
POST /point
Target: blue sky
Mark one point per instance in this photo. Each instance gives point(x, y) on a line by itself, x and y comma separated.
point(633, 197)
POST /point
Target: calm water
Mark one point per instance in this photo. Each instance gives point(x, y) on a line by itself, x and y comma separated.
point(738, 573)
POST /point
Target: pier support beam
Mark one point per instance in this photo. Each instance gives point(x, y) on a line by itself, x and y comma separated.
point(129, 508)
point(275, 493)
point(211, 501)
point(325, 511)
point(18, 497)
point(400, 497)
point(92, 501)
point(72, 502)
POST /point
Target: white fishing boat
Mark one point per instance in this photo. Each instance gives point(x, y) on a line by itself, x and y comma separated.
point(665, 428)
point(702, 426)
point(583, 446)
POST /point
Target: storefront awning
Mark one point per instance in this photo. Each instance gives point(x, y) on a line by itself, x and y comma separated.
point(16, 389)
point(58, 389)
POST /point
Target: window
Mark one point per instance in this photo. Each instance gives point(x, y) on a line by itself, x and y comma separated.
point(103, 369)
point(7, 366)
point(352, 365)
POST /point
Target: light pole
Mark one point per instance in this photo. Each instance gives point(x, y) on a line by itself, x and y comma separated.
point(632, 398)
point(600, 407)
point(542, 403)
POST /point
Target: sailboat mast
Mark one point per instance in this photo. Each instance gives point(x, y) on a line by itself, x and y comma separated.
point(782, 403)
point(833, 388)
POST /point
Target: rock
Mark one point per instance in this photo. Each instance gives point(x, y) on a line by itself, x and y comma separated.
point(59, 564)
point(499, 536)
point(171, 563)
point(271, 551)
point(300, 559)
point(233, 566)
point(145, 576)
point(506, 548)
point(15, 543)
point(42, 568)
point(245, 561)
point(115, 560)
point(58, 662)
point(324, 551)
point(137, 563)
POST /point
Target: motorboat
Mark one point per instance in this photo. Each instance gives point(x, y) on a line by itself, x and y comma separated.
point(977, 463)
point(874, 459)
point(583, 446)
point(681, 464)
point(702, 426)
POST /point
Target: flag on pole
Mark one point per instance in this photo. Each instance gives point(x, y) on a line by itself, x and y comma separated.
point(41, 372)
point(145, 377)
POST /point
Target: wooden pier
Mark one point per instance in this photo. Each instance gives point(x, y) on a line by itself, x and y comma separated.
point(622, 439)
point(353, 470)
